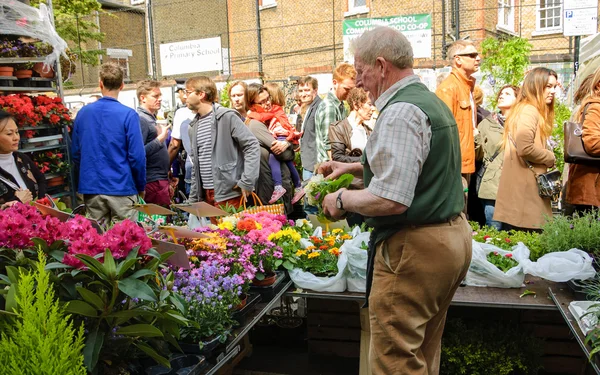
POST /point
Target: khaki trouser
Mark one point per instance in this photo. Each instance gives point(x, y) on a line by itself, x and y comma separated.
point(110, 208)
point(416, 272)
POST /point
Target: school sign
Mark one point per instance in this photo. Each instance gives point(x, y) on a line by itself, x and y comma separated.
point(415, 27)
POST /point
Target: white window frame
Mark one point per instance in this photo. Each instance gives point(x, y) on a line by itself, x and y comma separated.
point(353, 9)
point(267, 4)
point(506, 6)
point(138, 2)
point(547, 30)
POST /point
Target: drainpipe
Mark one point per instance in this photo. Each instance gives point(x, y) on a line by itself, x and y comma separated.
point(259, 42)
point(443, 29)
point(151, 39)
point(457, 18)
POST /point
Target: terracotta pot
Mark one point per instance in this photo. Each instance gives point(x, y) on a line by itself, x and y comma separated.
point(268, 280)
point(6, 71)
point(55, 181)
point(26, 73)
point(243, 301)
point(39, 69)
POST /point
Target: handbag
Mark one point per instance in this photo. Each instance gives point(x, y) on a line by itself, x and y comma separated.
point(549, 183)
point(574, 148)
point(276, 209)
point(483, 168)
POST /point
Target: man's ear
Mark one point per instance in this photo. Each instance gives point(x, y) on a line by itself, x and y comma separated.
point(100, 84)
point(381, 66)
point(122, 85)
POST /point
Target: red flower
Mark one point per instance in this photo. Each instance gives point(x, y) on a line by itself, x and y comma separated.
point(509, 255)
point(496, 253)
point(485, 237)
point(54, 119)
point(507, 240)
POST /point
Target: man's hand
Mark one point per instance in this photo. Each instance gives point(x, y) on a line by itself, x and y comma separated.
point(334, 169)
point(330, 208)
point(245, 193)
point(24, 196)
point(163, 132)
point(277, 147)
point(142, 194)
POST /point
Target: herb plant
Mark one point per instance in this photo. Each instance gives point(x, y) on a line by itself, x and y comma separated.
point(503, 262)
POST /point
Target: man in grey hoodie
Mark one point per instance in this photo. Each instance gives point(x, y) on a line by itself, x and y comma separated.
point(226, 155)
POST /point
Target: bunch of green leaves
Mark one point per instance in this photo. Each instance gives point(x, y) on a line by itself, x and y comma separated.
point(125, 305)
point(505, 61)
point(41, 338)
point(562, 113)
point(506, 240)
point(468, 350)
point(224, 95)
point(318, 187)
point(582, 231)
point(593, 294)
point(323, 263)
point(231, 209)
point(503, 262)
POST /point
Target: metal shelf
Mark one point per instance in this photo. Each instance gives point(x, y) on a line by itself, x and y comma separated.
point(27, 89)
point(21, 60)
point(43, 148)
point(41, 127)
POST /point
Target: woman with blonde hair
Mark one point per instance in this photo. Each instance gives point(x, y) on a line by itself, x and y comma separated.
point(583, 186)
point(527, 129)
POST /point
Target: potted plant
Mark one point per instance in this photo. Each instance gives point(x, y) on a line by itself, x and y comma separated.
point(52, 162)
point(7, 49)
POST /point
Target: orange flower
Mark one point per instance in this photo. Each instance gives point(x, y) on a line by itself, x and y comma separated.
point(323, 247)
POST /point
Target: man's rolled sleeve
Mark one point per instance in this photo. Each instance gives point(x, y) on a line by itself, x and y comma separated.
point(397, 151)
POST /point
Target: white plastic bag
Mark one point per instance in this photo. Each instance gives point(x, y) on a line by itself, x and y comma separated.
point(196, 222)
point(562, 266)
point(356, 273)
point(306, 280)
point(483, 273)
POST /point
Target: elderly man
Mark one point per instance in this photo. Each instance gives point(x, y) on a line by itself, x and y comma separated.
point(420, 247)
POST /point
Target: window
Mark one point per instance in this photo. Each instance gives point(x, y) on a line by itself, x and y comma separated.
point(549, 15)
point(121, 57)
point(506, 15)
point(357, 7)
point(266, 4)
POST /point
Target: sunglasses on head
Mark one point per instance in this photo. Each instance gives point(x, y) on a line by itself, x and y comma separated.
point(472, 55)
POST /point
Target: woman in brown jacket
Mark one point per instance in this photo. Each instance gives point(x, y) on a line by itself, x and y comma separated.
point(528, 127)
point(349, 136)
point(583, 186)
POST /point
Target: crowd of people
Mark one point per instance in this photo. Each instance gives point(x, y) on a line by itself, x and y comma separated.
point(413, 166)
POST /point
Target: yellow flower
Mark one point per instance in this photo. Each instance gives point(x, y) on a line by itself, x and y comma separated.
point(310, 248)
point(258, 225)
point(346, 237)
point(337, 231)
point(314, 254)
point(226, 225)
point(194, 259)
point(335, 251)
point(300, 253)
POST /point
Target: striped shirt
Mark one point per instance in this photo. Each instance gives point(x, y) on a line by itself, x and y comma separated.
point(205, 149)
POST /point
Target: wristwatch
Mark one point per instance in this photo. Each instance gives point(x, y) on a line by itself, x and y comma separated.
point(338, 201)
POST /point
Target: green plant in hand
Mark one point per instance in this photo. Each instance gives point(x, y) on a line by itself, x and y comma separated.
point(41, 338)
point(503, 262)
point(318, 187)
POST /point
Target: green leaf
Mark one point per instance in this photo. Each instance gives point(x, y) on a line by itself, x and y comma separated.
point(177, 301)
point(142, 273)
point(133, 254)
point(94, 265)
point(5, 279)
point(140, 330)
point(288, 265)
point(153, 354)
point(259, 276)
point(13, 274)
point(81, 308)
point(136, 289)
point(91, 298)
point(11, 302)
point(109, 265)
point(125, 266)
point(55, 248)
point(40, 244)
point(134, 313)
point(57, 254)
point(278, 263)
point(55, 265)
point(91, 351)
point(153, 253)
point(163, 295)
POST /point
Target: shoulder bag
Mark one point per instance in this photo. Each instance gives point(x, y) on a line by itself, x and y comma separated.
point(483, 168)
point(574, 148)
point(549, 183)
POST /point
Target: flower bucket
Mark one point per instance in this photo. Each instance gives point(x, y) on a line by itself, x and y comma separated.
point(25, 73)
point(268, 280)
point(56, 181)
point(243, 301)
point(44, 73)
point(6, 71)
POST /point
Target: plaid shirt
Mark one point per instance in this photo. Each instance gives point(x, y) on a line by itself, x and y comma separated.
point(398, 147)
point(329, 111)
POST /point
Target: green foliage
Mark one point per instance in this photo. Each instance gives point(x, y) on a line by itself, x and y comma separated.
point(505, 61)
point(562, 113)
point(224, 97)
point(125, 308)
point(506, 240)
point(470, 350)
point(76, 23)
point(503, 262)
point(563, 233)
point(41, 340)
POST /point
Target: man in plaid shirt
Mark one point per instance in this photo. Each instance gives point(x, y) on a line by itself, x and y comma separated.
point(332, 108)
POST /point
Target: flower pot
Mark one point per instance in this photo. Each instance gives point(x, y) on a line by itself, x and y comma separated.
point(55, 181)
point(243, 301)
point(269, 279)
point(25, 73)
point(6, 71)
point(39, 69)
point(206, 348)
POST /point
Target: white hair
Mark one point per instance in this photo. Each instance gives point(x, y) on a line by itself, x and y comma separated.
point(384, 42)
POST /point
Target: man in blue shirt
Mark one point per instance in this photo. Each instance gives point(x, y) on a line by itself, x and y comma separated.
point(108, 152)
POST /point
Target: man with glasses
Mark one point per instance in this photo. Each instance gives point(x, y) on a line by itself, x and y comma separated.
point(225, 154)
point(457, 92)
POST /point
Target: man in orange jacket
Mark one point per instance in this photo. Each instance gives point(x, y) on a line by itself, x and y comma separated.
point(457, 92)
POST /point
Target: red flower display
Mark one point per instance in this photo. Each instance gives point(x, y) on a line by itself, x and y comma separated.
point(33, 111)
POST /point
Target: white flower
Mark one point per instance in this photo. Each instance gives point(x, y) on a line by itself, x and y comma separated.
point(303, 222)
